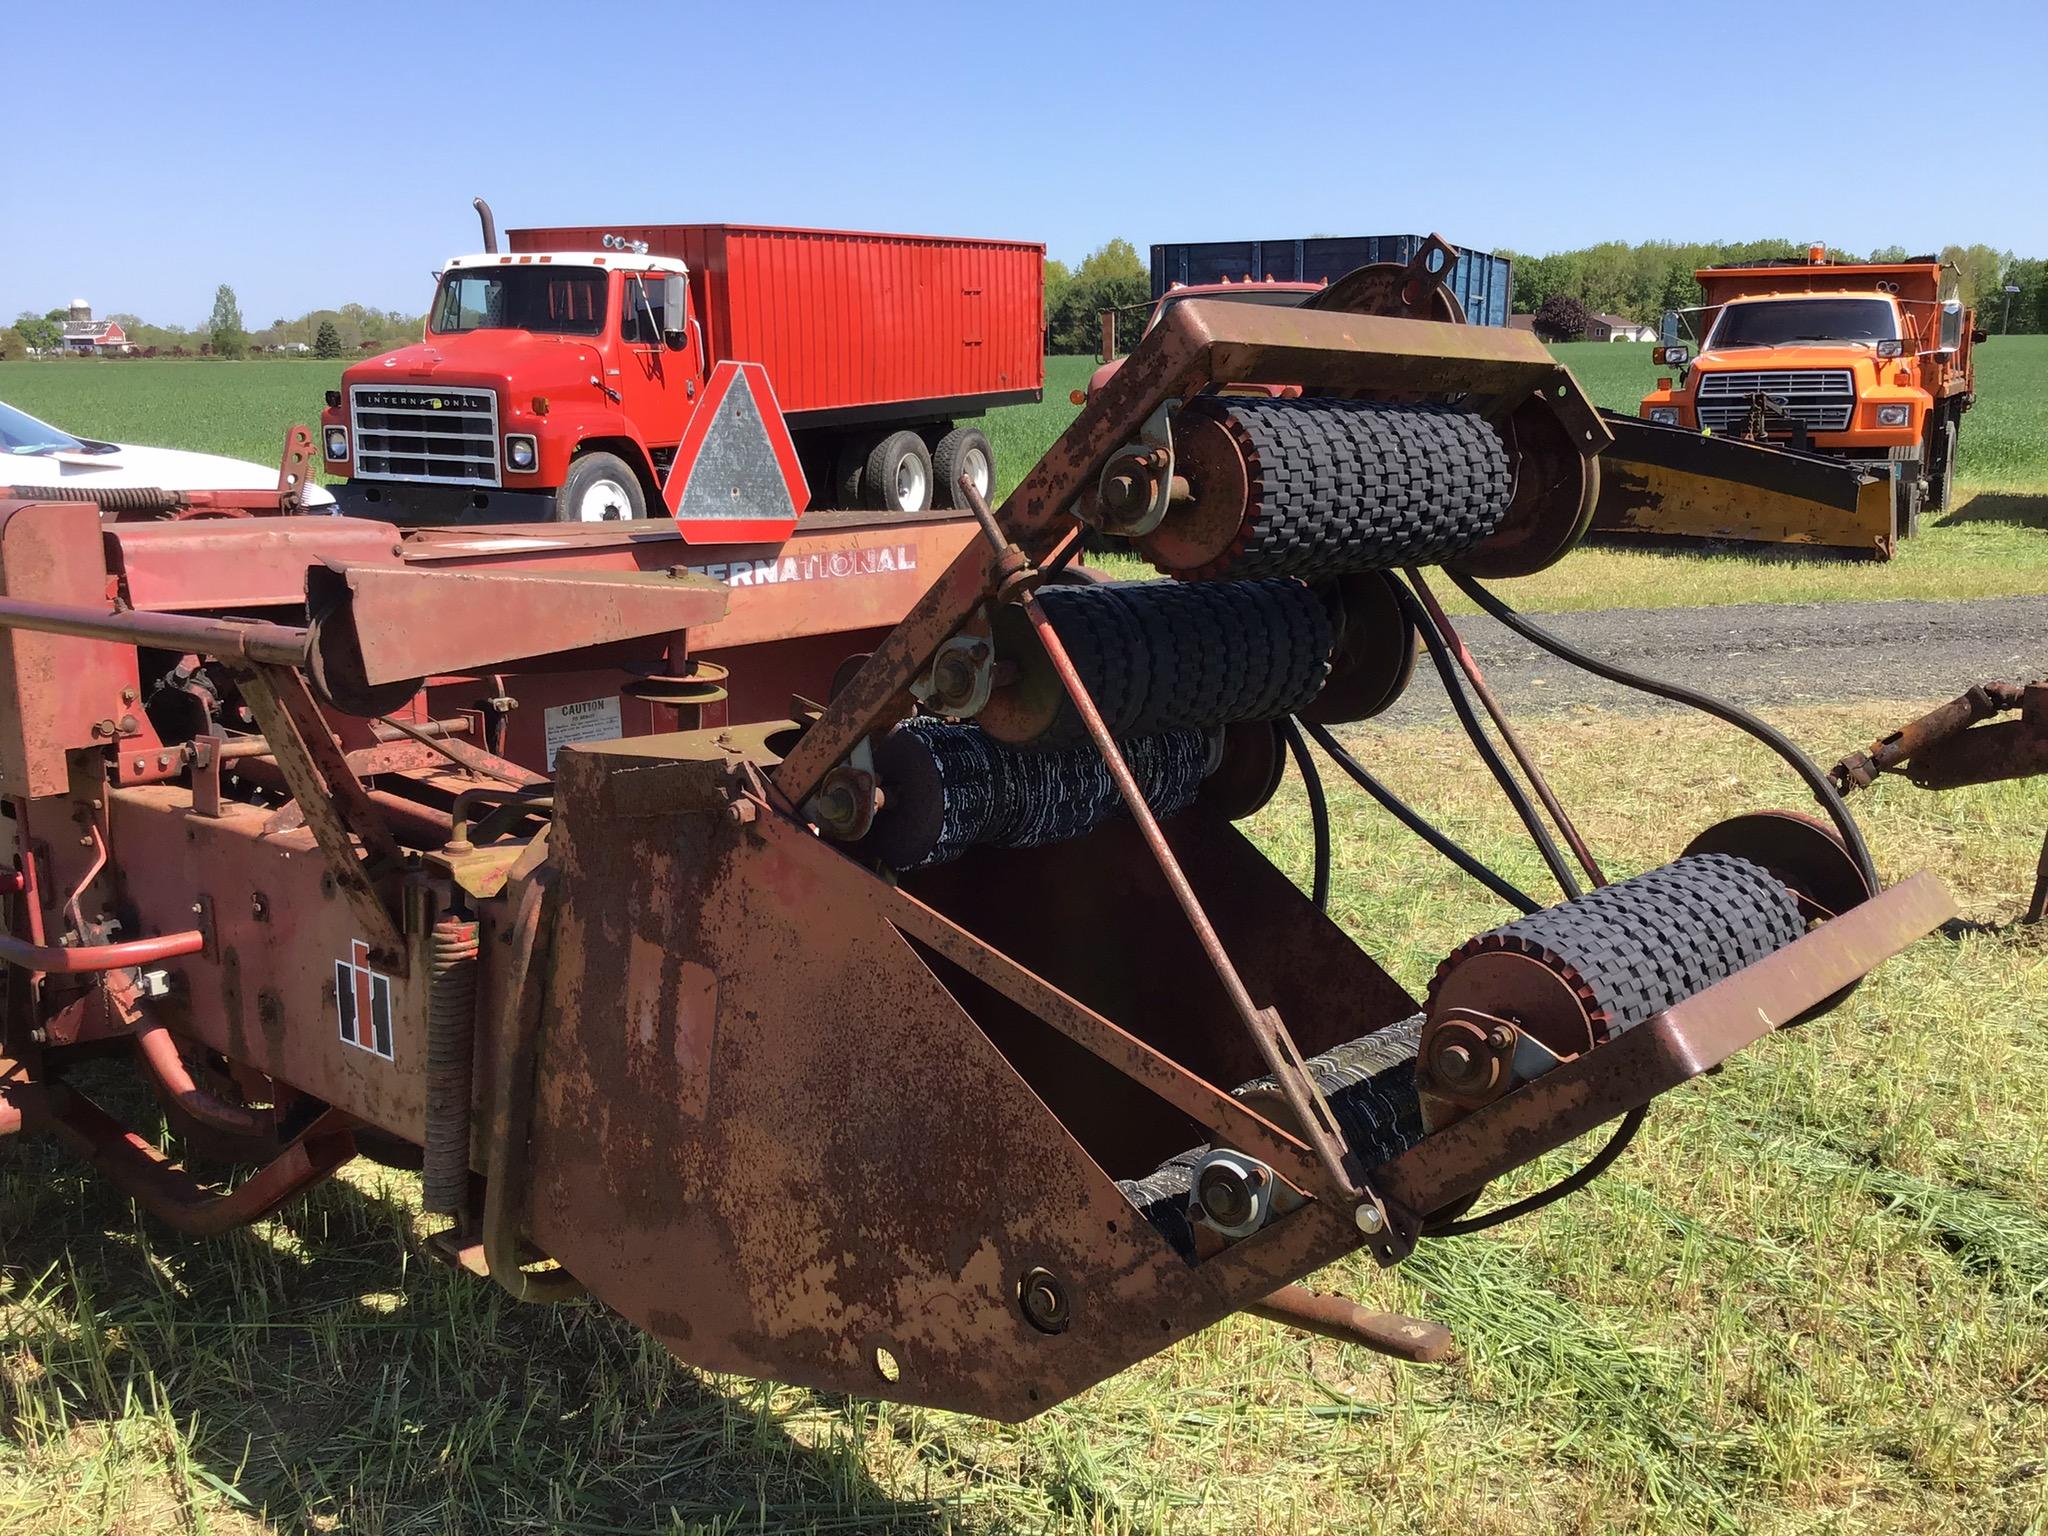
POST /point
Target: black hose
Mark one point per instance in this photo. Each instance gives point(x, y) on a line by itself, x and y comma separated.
point(1823, 789)
point(1586, 1173)
point(1318, 809)
point(1413, 821)
point(1454, 688)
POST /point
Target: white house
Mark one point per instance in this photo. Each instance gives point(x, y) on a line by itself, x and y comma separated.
point(1617, 328)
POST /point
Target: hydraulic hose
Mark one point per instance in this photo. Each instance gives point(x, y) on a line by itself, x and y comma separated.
point(1446, 671)
point(1400, 810)
point(1823, 789)
point(1578, 1179)
point(1318, 809)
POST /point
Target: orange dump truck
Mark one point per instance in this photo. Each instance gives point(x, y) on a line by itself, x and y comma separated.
point(1823, 408)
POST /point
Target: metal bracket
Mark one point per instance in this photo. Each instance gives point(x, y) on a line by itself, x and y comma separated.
point(334, 804)
point(1135, 488)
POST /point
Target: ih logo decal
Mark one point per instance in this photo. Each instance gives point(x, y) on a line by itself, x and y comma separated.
point(362, 997)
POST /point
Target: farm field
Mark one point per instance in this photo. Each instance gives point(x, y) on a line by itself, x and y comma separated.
point(1994, 543)
point(1813, 1297)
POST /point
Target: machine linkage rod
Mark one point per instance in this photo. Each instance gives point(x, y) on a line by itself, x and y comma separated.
point(255, 642)
point(1268, 1032)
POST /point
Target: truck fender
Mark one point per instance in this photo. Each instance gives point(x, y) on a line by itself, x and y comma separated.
point(736, 478)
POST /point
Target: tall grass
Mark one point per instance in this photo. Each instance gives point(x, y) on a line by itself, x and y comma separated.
point(1810, 1298)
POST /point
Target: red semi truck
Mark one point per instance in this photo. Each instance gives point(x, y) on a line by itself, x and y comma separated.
point(590, 374)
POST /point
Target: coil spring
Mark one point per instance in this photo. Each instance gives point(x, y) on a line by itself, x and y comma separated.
point(113, 498)
point(451, 1039)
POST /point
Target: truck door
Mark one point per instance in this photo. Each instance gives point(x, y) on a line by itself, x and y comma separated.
point(658, 382)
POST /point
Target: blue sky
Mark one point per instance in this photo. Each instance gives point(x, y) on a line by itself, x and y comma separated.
point(312, 155)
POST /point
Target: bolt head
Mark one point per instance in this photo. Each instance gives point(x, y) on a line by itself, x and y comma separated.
point(1370, 1220)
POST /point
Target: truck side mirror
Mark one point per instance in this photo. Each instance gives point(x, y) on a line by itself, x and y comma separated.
point(675, 311)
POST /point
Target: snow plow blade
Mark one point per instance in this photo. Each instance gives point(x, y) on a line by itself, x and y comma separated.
point(1673, 481)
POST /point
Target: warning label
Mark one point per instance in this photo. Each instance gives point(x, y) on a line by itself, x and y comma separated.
point(590, 720)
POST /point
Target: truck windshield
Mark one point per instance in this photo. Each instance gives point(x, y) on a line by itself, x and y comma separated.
point(22, 433)
point(1780, 322)
point(566, 301)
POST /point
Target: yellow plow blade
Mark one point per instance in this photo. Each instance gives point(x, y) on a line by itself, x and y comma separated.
point(1673, 481)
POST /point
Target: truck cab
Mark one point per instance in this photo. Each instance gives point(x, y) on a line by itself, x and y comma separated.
point(554, 386)
point(1862, 362)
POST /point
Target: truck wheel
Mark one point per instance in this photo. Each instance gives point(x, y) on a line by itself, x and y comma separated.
point(898, 476)
point(1941, 493)
point(1906, 503)
point(848, 466)
point(599, 488)
point(962, 451)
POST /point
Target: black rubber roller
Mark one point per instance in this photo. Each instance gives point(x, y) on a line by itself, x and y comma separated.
point(1315, 488)
point(949, 787)
point(1632, 949)
point(1159, 656)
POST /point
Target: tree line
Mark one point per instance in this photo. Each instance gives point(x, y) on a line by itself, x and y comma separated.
point(342, 332)
point(1642, 281)
point(1639, 281)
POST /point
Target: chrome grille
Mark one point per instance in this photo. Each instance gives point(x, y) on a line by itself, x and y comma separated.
point(443, 436)
point(1822, 398)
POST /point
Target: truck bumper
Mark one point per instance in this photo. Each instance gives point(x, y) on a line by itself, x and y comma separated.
point(415, 506)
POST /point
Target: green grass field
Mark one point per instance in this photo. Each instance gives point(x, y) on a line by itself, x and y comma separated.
point(1994, 543)
point(1813, 1297)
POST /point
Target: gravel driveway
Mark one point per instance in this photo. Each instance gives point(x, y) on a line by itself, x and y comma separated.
point(1762, 655)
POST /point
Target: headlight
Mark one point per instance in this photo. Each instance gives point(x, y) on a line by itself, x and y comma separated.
point(1672, 357)
point(1890, 348)
point(1664, 415)
point(337, 443)
point(1895, 415)
point(521, 451)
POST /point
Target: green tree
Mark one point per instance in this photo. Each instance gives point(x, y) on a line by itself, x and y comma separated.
point(1891, 254)
point(40, 331)
point(328, 342)
point(225, 325)
point(1110, 277)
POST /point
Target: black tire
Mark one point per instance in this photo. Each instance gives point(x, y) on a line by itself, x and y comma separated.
point(848, 468)
point(898, 474)
point(1941, 475)
point(959, 450)
point(600, 483)
point(1906, 501)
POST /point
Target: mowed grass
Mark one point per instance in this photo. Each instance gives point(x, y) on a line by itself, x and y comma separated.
point(1813, 1297)
point(1994, 543)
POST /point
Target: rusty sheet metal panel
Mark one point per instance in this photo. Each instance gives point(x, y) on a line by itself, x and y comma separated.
point(831, 576)
point(413, 621)
point(237, 562)
point(765, 1132)
point(844, 319)
point(283, 948)
point(57, 692)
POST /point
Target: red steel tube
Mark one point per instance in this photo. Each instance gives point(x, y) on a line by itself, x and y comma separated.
point(166, 631)
point(83, 959)
point(160, 1051)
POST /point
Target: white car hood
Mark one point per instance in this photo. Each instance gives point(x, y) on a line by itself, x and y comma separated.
point(168, 469)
